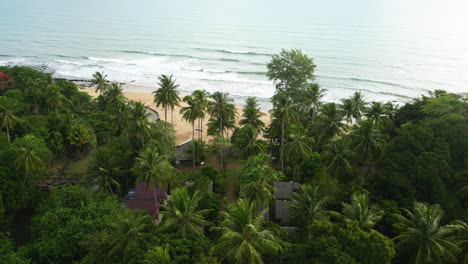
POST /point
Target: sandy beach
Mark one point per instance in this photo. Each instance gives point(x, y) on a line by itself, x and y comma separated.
point(183, 129)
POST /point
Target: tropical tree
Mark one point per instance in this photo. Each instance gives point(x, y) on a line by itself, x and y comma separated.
point(307, 206)
point(424, 238)
point(313, 96)
point(251, 114)
point(183, 215)
point(361, 213)
point(242, 240)
point(367, 142)
point(358, 105)
point(246, 140)
point(103, 170)
point(329, 123)
point(54, 97)
point(376, 112)
point(285, 111)
point(8, 119)
point(223, 113)
point(138, 123)
point(191, 113)
point(338, 156)
point(158, 255)
point(257, 178)
point(128, 226)
point(347, 107)
point(100, 81)
point(79, 136)
point(31, 155)
point(114, 97)
point(166, 95)
point(201, 99)
point(154, 170)
point(298, 148)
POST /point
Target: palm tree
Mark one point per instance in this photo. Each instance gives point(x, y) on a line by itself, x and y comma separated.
point(358, 105)
point(425, 238)
point(223, 112)
point(114, 97)
point(376, 113)
point(30, 155)
point(130, 225)
point(55, 98)
point(154, 170)
point(251, 114)
point(166, 95)
point(284, 110)
point(298, 148)
point(306, 207)
point(347, 107)
point(367, 142)
point(201, 99)
point(138, 123)
point(158, 255)
point(361, 213)
point(8, 119)
point(182, 214)
point(257, 178)
point(103, 170)
point(313, 95)
point(338, 156)
point(79, 136)
point(241, 239)
point(191, 113)
point(99, 79)
point(246, 140)
point(329, 123)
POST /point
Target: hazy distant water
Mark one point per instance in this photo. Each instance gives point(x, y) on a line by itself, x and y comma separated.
point(388, 49)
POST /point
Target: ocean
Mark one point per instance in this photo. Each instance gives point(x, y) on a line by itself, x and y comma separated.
point(391, 50)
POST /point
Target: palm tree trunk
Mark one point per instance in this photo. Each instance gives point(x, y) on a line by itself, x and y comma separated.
point(222, 143)
point(165, 121)
point(201, 131)
point(8, 133)
point(156, 200)
point(193, 148)
point(281, 147)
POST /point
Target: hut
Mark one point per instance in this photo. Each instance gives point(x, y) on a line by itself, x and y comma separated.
point(283, 191)
point(142, 197)
point(182, 152)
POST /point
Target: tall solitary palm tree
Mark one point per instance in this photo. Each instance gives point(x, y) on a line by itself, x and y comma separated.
point(358, 105)
point(307, 206)
point(376, 113)
point(286, 111)
point(138, 123)
point(154, 170)
point(242, 240)
point(182, 214)
point(251, 114)
point(191, 113)
point(368, 143)
point(223, 112)
point(360, 212)
point(347, 107)
point(99, 79)
point(201, 99)
point(166, 95)
point(8, 119)
point(425, 239)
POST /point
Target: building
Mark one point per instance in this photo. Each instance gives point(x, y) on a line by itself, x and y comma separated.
point(283, 191)
point(183, 152)
point(142, 197)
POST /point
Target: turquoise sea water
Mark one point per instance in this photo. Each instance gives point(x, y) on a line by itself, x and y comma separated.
point(389, 50)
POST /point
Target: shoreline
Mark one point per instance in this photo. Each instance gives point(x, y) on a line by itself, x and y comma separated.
point(183, 129)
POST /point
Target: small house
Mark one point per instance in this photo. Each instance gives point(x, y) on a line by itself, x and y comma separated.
point(283, 191)
point(142, 197)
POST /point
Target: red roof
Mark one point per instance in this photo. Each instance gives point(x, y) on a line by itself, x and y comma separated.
point(4, 76)
point(144, 198)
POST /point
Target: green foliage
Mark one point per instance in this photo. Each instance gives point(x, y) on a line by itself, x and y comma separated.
point(8, 255)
